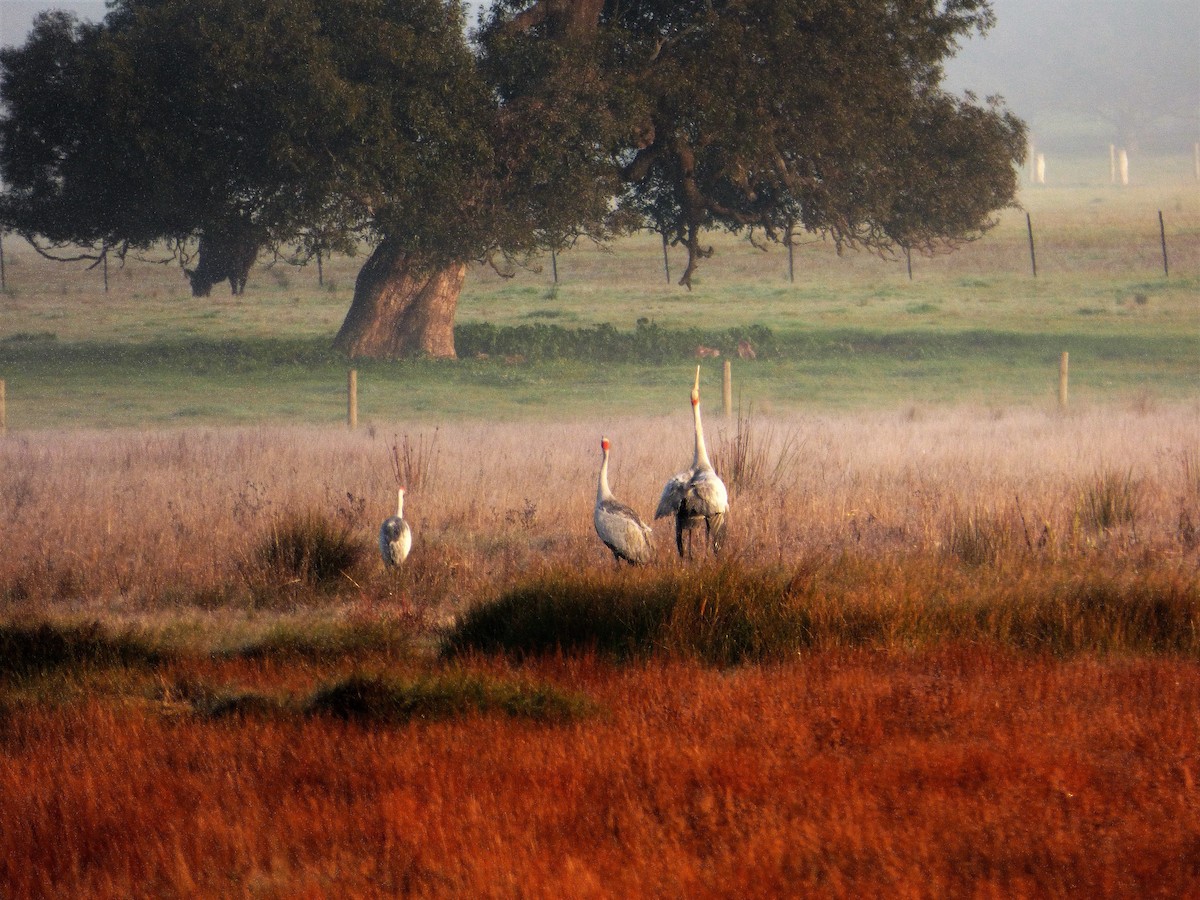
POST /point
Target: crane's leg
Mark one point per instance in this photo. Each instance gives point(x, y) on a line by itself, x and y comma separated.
point(680, 520)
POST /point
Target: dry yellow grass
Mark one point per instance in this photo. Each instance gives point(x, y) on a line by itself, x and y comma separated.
point(137, 523)
point(946, 767)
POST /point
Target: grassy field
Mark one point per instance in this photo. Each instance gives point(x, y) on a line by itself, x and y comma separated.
point(852, 332)
point(952, 647)
point(951, 652)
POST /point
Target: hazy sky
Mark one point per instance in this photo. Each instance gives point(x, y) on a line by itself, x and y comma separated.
point(1078, 71)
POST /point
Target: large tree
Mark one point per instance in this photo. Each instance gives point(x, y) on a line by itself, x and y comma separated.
point(524, 161)
point(319, 120)
point(212, 123)
point(757, 116)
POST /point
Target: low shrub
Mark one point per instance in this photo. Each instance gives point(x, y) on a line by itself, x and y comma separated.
point(34, 649)
point(310, 549)
point(726, 614)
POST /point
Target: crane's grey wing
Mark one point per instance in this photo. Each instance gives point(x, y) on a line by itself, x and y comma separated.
point(673, 493)
point(395, 541)
point(706, 494)
point(623, 532)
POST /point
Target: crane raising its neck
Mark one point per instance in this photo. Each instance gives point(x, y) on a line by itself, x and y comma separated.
point(400, 504)
point(700, 460)
point(602, 491)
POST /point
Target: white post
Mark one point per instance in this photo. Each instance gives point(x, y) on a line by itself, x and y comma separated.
point(1041, 168)
point(1123, 164)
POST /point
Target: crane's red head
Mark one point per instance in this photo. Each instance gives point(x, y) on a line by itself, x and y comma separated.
point(604, 445)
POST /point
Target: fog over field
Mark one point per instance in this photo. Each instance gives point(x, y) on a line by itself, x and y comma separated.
point(1082, 73)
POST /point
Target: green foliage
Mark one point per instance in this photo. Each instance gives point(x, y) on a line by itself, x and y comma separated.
point(247, 124)
point(786, 115)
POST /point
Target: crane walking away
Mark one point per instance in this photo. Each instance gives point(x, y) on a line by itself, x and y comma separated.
point(395, 537)
point(619, 527)
point(697, 494)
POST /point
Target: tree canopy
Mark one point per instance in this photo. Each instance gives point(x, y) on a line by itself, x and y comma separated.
point(768, 115)
point(319, 122)
point(270, 122)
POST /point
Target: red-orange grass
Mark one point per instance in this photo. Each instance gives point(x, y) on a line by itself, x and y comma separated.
point(958, 772)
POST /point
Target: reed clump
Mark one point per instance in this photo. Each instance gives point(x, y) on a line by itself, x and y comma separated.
point(309, 549)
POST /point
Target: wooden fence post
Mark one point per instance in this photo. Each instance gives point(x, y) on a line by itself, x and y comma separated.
point(1062, 380)
point(3, 283)
point(727, 390)
point(352, 399)
point(1032, 254)
point(1162, 236)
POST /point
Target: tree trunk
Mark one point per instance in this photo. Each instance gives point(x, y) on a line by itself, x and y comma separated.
point(401, 308)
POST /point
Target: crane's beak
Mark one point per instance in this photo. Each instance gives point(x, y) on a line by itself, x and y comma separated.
point(696, 386)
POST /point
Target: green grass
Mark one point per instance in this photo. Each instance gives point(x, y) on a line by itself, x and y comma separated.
point(852, 331)
point(293, 380)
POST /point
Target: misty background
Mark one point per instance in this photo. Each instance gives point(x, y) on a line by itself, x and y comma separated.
point(1082, 73)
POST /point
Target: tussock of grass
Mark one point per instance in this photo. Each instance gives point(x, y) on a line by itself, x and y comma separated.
point(728, 614)
point(311, 549)
point(375, 698)
point(1109, 500)
point(32, 650)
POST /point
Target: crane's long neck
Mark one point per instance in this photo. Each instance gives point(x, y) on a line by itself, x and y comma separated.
point(700, 461)
point(602, 491)
point(400, 504)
